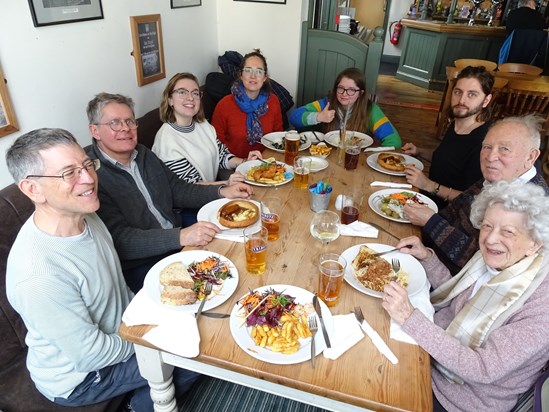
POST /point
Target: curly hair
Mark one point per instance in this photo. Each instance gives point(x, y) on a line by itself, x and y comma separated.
point(486, 81)
point(166, 111)
point(526, 198)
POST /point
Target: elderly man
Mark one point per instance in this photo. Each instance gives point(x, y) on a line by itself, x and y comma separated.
point(64, 278)
point(508, 153)
point(139, 193)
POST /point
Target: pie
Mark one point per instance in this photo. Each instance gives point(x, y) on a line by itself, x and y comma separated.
point(391, 161)
point(238, 214)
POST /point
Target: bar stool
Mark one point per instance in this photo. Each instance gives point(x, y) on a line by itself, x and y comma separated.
point(518, 71)
point(463, 63)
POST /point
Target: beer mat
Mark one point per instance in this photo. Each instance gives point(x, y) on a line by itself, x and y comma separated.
point(346, 334)
point(358, 228)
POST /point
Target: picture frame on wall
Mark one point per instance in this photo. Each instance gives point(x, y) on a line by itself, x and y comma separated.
point(177, 4)
point(148, 51)
point(265, 1)
point(8, 123)
point(49, 12)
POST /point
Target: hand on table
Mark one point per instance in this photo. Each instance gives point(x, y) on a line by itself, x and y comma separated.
point(199, 234)
point(418, 214)
point(326, 115)
point(396, 302)
point(237, 190)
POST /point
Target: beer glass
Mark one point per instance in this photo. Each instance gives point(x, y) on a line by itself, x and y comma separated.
point(331, 267)
point(291, 147)
point(302, 169)
point(271, 209)
point(255, 245)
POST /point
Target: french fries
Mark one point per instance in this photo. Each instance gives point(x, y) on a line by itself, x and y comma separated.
point(320, 150)
point(283, 338)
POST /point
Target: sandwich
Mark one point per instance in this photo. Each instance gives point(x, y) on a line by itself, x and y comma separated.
point(177, 285)
point(238, 213)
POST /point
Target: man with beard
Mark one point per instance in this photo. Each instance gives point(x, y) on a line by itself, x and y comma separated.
point(455, 162)
point(508, 153)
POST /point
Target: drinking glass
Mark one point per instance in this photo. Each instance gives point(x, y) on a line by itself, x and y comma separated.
point(324, 226)
point(350, 206)
point(255, 246)
point(302, 169)
point(331, 267)
point(271, 209)
point(291, 146)
point(351, 156)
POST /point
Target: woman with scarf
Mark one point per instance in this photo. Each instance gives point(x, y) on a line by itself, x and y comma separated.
point(489, 340)
point(250, 111)
point(187, 143)
point(348, 100)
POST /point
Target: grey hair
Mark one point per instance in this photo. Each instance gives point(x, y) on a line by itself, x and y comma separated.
point(527, 198)
point(96, 105)
point(533, 123)
point(524, 3)
point(23, 157)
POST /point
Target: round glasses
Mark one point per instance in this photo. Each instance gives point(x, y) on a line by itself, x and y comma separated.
point(116, 124)
point(196, 94)
point(343, 90)
point(71, 175)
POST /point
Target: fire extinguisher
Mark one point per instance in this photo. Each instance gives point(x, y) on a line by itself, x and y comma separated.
point(395, 35)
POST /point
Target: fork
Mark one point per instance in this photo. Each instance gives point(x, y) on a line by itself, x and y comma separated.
point(313, 327)
point(207, 291)
point(395, 263)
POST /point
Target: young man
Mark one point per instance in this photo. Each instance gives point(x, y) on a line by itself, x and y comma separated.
point(139, 193)
point(64, 279)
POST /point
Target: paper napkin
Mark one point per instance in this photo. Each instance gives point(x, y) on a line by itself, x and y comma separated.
point(379, 149)
point(358, 228)
point(176, 331)
point(421, 301)
point(346, 334)
point(232, 238)
point(391, 184)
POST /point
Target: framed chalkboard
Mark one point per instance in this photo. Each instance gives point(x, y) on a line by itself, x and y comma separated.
point(148, 51)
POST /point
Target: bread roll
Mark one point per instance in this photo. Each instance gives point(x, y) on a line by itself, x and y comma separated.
point(238, 213)
point(177, 295)
point(176, 274)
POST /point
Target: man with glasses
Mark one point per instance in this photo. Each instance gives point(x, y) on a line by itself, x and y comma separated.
point(139, 193)
point(64, 278)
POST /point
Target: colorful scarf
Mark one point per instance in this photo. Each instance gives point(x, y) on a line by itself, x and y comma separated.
point(254, 109)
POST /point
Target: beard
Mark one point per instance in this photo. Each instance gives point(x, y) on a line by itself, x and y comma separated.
point(469, 112)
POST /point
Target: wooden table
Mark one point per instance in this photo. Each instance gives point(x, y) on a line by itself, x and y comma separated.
point(360, 378)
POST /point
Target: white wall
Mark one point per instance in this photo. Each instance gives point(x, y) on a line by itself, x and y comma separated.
point(398, 10)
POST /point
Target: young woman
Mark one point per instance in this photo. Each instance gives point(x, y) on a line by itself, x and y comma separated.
point(348, 93)
point(250, 111)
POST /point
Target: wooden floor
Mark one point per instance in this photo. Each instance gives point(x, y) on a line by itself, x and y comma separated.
point(412, 110)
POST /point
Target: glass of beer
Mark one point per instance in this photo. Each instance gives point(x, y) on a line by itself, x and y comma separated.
point(291, 146)
point(255, 245)
point(271, 209)
point(302, 169)
point(331, 268)
point(351, 156)
point(350, 206)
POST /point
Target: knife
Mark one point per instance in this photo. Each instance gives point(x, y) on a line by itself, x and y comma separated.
point(318, 311)
point(377, 341)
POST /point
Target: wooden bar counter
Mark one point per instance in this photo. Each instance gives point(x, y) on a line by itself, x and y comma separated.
point(361, 379)
point(429, 47)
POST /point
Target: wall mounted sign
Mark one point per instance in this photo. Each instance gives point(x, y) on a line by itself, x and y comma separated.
point(177, 4)
point(8, 124)
point(148, 52)
point(265, 1)
point(48, 12)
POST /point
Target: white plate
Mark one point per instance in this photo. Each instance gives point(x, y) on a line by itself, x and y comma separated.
point(372, 162)
point(243, 339)
point(277, 137)
point(318, 163)
point(333, 138)
point(208, 213)
point(244, 167)
point(416, 273)
point(219, 295)
point(314, 137)
point(374, 201)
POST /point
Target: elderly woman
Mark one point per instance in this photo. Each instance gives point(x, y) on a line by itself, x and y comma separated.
point(186, 142)
point(250, 111)
point(490, 335)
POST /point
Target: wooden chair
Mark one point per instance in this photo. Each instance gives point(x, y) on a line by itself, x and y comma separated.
point(518, 71)
point(463, 63)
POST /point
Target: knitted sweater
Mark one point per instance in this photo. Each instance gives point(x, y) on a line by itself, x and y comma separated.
point(504, 367)
point(230, 124)
point(71, 295)
point(379, 125)
point(450, 232)
point(136, 232)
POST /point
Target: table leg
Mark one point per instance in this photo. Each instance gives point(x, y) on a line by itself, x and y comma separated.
point(159, 375)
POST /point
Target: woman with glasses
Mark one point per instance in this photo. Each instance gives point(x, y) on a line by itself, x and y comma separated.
point(250, 111)
point(186, 142)
point(348, 95)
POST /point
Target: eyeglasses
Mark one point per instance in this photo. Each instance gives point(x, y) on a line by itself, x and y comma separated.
point(343, 90)
point(116, 124)
point(71, 175)
point(250, 70)
point(196, 94)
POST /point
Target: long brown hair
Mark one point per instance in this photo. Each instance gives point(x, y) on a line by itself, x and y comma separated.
point(166, 111)
point(358, 121)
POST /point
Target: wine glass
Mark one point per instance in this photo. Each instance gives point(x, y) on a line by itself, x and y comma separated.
point(325, 226)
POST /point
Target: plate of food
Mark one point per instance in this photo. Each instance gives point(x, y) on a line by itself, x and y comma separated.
point(392, 163)
point(389, 203)
point(178, 280)
point(276, 141)
point(369, 274)
point(282, 311)
point(362, 139)
point(260, 173)
point(231, 215)
point(320, 150)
